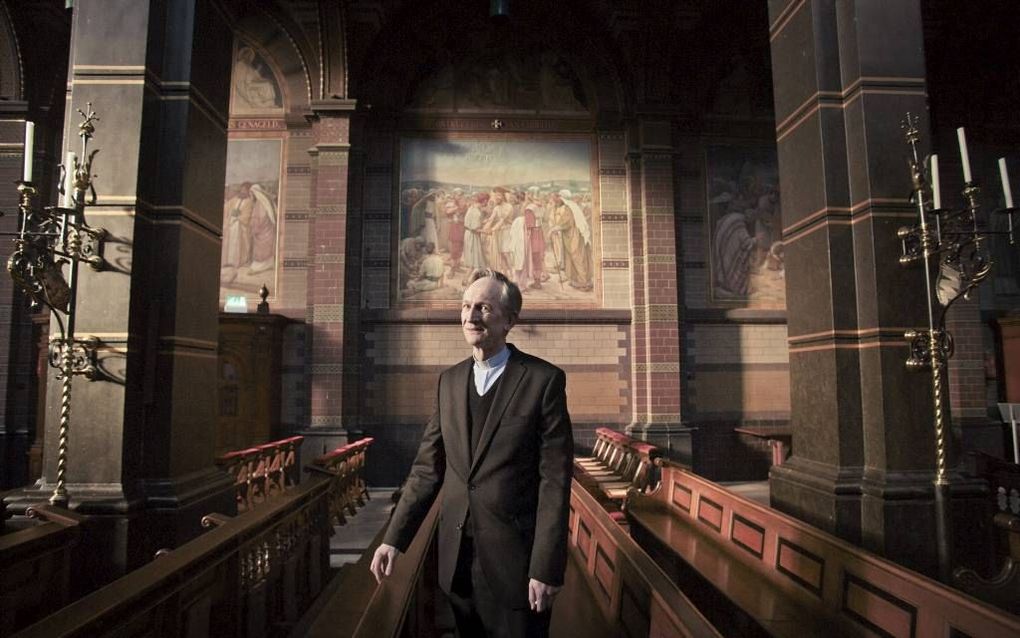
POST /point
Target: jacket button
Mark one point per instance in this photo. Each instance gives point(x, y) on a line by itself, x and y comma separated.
point(472, 487)
point(460, 526)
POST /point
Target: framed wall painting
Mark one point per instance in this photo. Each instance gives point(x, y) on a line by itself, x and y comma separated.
point(524, 206)
point(745, 247)
point(251, 217)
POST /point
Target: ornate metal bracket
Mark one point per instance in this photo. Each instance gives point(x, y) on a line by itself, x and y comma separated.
point(920, 343)
point(84, 357)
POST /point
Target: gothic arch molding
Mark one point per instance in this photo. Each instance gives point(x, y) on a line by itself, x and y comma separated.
point(275, 34)
point(11, 80)
point(404, 50)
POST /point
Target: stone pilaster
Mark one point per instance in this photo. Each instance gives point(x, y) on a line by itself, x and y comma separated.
point(655, 359)
point(330, 370)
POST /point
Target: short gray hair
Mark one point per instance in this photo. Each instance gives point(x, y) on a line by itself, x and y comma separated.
point(510, 294)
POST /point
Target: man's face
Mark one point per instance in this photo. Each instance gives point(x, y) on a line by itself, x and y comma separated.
point(484, 320)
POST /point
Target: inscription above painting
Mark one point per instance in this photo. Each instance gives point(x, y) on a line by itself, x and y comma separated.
point(524, 207)
point(745, 246)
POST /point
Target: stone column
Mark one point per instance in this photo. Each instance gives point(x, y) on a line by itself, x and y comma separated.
point(142, 436)
point(328, 277)
point(655, 352)
point(845, 74)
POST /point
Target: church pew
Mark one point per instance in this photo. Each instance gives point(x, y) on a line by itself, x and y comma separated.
point(263, 470)
point(613, 588)
point(756, 571)
point(620, 464)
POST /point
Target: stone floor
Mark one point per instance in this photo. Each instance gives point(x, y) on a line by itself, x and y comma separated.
point(352, 539)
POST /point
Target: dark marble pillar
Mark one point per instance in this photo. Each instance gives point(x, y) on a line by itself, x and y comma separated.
point(142, 437)
point(845, 74)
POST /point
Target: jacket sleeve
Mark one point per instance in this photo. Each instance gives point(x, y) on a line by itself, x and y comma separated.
point(549, 552)
point(422, 484)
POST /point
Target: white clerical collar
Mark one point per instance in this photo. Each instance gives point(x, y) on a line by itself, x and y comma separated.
point(495, 361)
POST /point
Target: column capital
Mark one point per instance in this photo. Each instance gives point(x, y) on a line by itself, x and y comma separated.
point(333, 108)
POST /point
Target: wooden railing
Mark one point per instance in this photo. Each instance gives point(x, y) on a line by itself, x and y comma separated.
point(346, 465)
point(756, 571)
point(35, 566)
point(253, 576)
point(264, 470)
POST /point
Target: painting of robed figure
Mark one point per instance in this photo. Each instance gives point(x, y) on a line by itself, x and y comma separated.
point(250, 216)
point(746, 249)
point(524, 207)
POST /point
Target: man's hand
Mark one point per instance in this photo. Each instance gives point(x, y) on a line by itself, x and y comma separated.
point(540, 595)
point(382, 561)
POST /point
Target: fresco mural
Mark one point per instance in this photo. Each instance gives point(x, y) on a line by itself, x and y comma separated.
point(525, 207)
point(250, 216)
point(254, 88)
point(744, 221)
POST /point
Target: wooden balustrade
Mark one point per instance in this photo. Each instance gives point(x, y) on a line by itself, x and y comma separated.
point(756, 571)
point(346, 465)
point(264, 470)
point(35, 566)
point(253, 575)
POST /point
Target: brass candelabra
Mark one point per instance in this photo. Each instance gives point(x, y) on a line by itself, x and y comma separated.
point(952, 245)
point(49, 245)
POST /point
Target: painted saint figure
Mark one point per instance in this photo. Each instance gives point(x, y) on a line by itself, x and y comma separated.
point(571, 230)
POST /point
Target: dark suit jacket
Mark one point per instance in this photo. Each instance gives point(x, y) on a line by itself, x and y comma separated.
point(517, 487)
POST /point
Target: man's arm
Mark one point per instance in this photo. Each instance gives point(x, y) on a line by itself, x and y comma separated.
point(549, 552)
point(418, 494)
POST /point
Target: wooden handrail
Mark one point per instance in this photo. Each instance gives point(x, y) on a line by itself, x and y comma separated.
point(363, 609)
point(44, 548)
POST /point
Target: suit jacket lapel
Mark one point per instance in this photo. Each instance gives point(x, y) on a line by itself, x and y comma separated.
point(512, 376)
point(457, 401)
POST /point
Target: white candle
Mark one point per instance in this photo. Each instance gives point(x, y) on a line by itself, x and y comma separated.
point(30, 149)
point(936, 191)
point(961, 136)
point(1005, 182)
point(69, 180)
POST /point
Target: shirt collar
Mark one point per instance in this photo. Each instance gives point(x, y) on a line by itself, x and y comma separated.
point(495, 360)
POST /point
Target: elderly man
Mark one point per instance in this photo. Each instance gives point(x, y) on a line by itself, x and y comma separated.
point(500, 441)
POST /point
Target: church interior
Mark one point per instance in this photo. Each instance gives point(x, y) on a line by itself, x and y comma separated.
point(770, 242)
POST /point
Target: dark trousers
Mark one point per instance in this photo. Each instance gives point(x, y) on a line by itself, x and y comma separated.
point(477, 612)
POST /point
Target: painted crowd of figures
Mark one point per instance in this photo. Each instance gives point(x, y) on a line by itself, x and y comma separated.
point(539, 238)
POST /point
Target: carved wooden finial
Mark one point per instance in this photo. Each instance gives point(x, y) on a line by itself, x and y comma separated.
point(263, 307)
